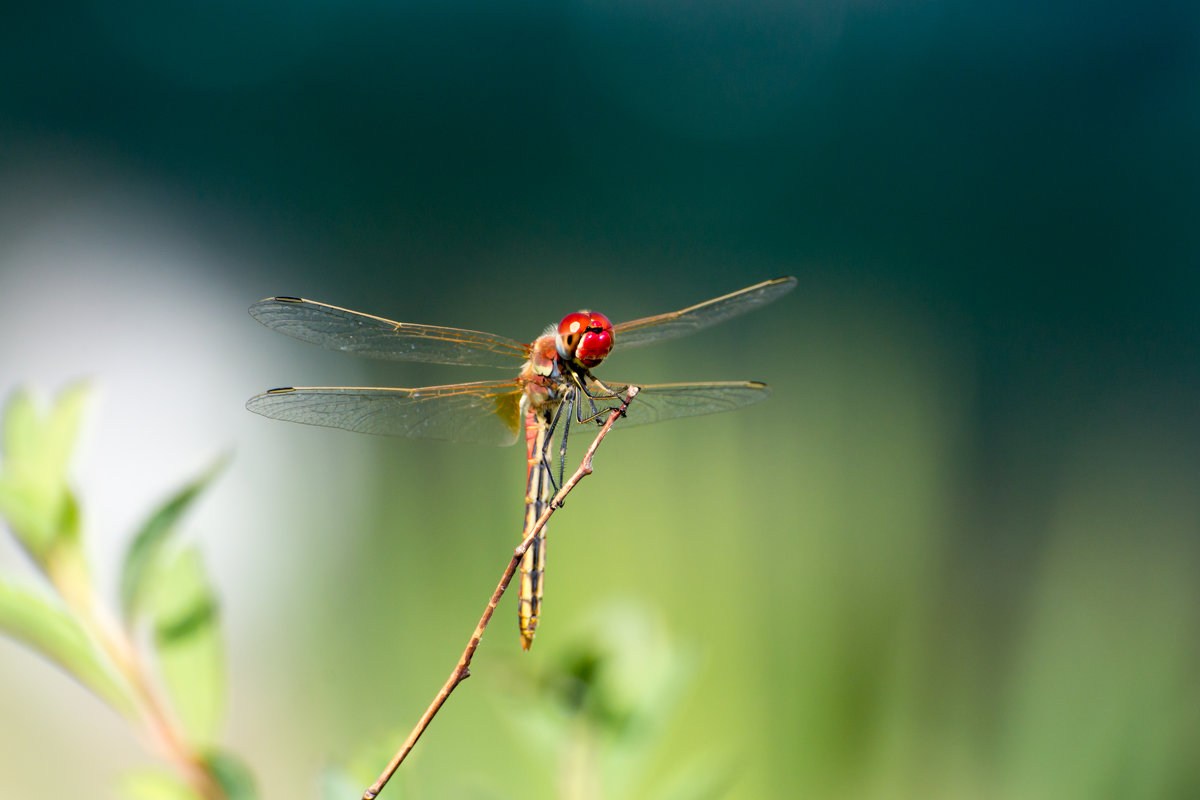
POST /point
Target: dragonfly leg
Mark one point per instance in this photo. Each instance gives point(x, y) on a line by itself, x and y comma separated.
point(609, 394)
point(595, 415)
point(562, 450)
point(558, 413)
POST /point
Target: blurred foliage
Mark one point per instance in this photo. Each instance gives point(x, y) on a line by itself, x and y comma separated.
point(156, 784)
point(588, 719)
point(35, 620)
point(143, 558)
point(34, 496)
point(188, 644)
point(78, 636)
point(232, 774)
point(595, 710)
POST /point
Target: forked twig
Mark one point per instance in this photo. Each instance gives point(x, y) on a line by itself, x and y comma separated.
point(461, 671)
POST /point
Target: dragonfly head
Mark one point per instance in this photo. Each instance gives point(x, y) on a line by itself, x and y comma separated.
point(585, 338)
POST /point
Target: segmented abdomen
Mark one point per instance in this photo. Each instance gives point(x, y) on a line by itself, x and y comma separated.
point(537, 497)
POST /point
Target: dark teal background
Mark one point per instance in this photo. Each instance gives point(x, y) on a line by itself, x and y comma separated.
point(954, 556)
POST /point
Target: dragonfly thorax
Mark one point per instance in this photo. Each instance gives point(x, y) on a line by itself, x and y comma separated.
point(542, 377)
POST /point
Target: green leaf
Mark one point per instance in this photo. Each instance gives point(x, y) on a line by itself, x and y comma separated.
point(145, 555)
point(31, 619)
point(62, 428)
point(34, 496)
point(232, 774)
point(21, 426)
point(156, 784)
point(25, 511)
point(188, 642)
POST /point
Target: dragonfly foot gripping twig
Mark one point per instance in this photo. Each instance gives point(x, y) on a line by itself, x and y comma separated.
point(461, 670)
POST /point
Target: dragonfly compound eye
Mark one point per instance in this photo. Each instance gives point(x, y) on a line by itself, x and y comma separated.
point(597, 341)
point(570, 332)
point(585, 336)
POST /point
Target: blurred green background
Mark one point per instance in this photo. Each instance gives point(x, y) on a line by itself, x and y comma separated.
point(954, 556)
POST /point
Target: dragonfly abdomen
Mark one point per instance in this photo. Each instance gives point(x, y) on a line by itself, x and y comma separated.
point(537, 497)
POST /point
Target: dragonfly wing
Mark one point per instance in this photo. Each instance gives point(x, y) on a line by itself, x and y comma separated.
point(376, 337)
point(689, 320)
point(656, 402)
point(485, 413)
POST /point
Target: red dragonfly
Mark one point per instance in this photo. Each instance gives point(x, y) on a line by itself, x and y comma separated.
point(553, 384)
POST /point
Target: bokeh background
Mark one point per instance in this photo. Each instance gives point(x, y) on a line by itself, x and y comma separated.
point(954, 556)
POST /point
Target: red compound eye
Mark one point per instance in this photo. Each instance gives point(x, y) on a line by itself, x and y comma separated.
point(573, 325)
point(585, 337)
point(597, 342)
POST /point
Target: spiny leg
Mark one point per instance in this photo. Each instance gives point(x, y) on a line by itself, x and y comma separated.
point(558, 414)
point(597, 413)
point(562, 450)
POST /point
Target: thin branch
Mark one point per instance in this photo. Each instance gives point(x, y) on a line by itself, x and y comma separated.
point(461, 671)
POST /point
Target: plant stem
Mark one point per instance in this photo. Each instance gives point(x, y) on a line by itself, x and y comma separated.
point(70, 578)
point(461, 670)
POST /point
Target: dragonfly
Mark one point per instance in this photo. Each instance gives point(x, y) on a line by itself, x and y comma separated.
point(552, 385)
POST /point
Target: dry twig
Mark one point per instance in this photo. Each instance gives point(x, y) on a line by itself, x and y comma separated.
point(461, 671)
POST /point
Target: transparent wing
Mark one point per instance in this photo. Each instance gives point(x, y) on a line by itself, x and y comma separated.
point(689, 320)
point(656, 402)
point(376, 337)
point(485, 413)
